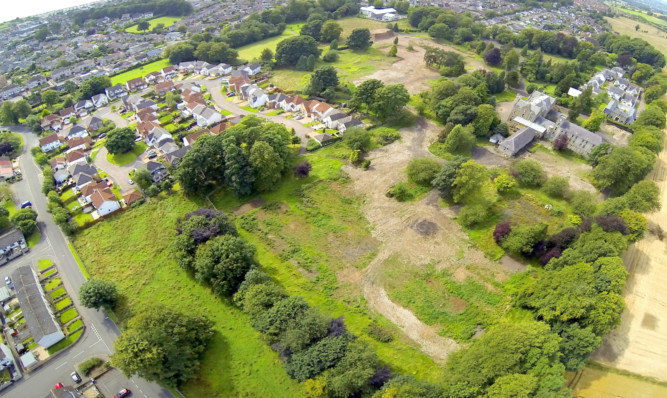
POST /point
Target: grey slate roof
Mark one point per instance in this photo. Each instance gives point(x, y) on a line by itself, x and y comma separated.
point(33, 305)
point(519, 140)
point(10, 238)
point(581, 133)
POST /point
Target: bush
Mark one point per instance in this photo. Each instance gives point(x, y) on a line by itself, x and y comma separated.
point(312, 145)
point(87, 366)
point(358, 139)
point(504, 183)
point(529, 173)
point(423, 171)
point(502, 229)
point(302, 169)
point(330, 56)
point(583, 203)
point(557, 187)
point(400, 192)
point(472, 214)
point(379, 333)
point(389, 136)
point(523, 238)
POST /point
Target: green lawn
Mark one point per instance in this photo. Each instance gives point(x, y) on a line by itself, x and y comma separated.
point(34, 238)
point(53, 283)
point(9, 206)
point(64, 303)
point(254, 50)
point(74, 325)
point(249, 109)
point(506, 96)
point(66, 342)
point(139, 72)
point(225, 112)
point(82, 218)
point(49, 273)
point(68, 195)
point(276, 112)
point(44, 264)
point(57, 293)
point(122, 159)
point(68, 315)
point(166, 21)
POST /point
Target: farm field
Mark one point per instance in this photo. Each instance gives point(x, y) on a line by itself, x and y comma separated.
point(166, 21)
point(139, 72)
point(626, 26)
point(592, 382)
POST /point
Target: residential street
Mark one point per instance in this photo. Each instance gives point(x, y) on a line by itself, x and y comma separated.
point(100, 332)
point(120, 175)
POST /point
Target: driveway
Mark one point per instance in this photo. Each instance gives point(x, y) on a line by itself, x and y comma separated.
point(118, 174)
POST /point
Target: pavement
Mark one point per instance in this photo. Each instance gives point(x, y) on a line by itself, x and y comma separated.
point(100, 333)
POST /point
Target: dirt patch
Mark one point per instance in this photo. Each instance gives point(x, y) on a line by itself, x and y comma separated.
point(597, 383)
point(425, 227)
point(457, 305)
point(639, 344)
point(512, 265)
point(505, 108)
point(252, 205)
point(615, 135)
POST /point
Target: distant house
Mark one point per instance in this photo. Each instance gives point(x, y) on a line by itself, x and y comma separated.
point(77, 132)
point(80, 143)
point(100, 100)
point(516, 142)
point(324, 139)
point(157, 170)
point(252, 69)
point(380, 14)
point(136, 84)
point(154, 77)
point(37, 313)
point(52, 122)
point(35, 82)
point(58, 163)
point(82, 107)
point(11, 91)
point(132, 196)
point(104, 201)
point(114, 92)
point(206, 116)
point(164, 87)
point(50, 142)
point(61, 73)
point(620, 113)
point(6, 169)
point(255, 96)
point(67, 114)
point(191, 138)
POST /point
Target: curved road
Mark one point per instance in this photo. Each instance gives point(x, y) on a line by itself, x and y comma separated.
point(100, 333)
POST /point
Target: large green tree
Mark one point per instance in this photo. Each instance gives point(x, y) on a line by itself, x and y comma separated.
point(390, 100)
point(119, 140)
point(162, 345)
point(331, 31)
point(96, 293)
point(222, 262)
point(359, 39)
point(364, 94)
point(322, 79)
point(268, 166)
point(291, 49)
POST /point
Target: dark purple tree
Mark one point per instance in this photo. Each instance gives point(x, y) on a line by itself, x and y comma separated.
point(381, 376)
point(563, 238)
point(337, 327)
point(555, 252)
point(560, 142)
point(503, 229)
point(493, 57)
point(302, 170)
point(612, 223)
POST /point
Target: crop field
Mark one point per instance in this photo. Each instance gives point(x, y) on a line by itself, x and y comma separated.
point(140, 72)
point(642, 14)
point(166, 21)
point(592, 382)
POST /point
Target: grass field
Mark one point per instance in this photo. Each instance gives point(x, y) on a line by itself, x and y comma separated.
point(641, 14)
point(34, 238)
point(66, 342)
point(506, 96)
point(653, 35)
point(139, 72)
point(68, 315)
point(122, 159)
point(254, 50)
point(166, 21)
point(44, 264)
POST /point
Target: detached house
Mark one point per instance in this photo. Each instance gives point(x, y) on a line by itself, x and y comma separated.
point(52, 122)
point(114, 92)
point(82, 107)
point(154, 77)
point(50, 143)
point(100, 100)
point(169, 72)
point(136, 84)
point(77, 132)
point(157, 170)
point(206, 116)
point(83, 174)
point(252, 69)
point(75, 156)
point(255, 96)
point(104, 201)
point(164, 87)
point(66, 114)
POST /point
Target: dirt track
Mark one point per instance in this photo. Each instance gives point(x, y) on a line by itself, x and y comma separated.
point(418, 232)
point(639, 345)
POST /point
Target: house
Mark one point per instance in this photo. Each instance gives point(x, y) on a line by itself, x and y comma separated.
point(516, 142)
point(11, 91)
point(573, 92)
point(6, 169)
point(538, 104)
point(157, 136)
point(169, 72)
point(60, 176)
point(104, 201)
point(93, 124)
point(12, 245)
point(380, 14)
point(88, 191)
point(157, 170)
point(77, 132)
point(83, 174)
point(206, 116)
point(58, 163)
point(52, 122)
point(164, 87)
point(66, 114)
point(620, 113)
point(132, 196)
point(50, 142)
point(274, 100)
point(75, 156)
point(61, 73)
point(219, 70)
point(114, 92)
point(80, 143)
point(35, 82)
point(154, 77)
point(191, 138)
point(135, 84)
point(292, 104)
point(237, 83)
point(252, 69)
point(190, 86)
point(37, 313)
point(175, 157)
point(174, 36)
point(579, 139)
point(622, 83)
point(100, 100)
point(319, 110)
point(324, 139)
point(332, 119)
point(348, 123)
point(615, 93)
point(255, 96)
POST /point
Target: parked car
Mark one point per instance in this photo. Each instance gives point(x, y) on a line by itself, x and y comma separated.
point(75, 376)
point(231, 94)
point(130, 182)
point(123, 393)
point(58, 385)
point(102, 135)
point(8, 281)
point(152, 154)
point(26, 204)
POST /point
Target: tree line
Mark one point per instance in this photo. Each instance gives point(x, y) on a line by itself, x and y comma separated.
point(159, 8)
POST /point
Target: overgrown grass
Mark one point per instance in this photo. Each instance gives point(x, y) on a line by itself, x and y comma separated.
point(83, 269)
point(506, 96)
point(66, 342)
point(44, 264)
point(166, 21)
point(140, 71)
point(68, 315)
point(254, 50)
point(122, 159)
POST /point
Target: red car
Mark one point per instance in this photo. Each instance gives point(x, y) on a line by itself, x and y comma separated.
point(123, 393)
point(58, 385)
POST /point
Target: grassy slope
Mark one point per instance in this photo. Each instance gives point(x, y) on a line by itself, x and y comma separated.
point(237, 363)
point(139, 72)
point(254, 50)
point(642, 14)
point(167, 21)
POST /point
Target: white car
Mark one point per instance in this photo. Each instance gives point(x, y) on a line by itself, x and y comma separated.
point(130, 182)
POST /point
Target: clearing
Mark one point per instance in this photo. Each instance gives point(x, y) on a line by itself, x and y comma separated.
point(639, 344)
point(140, 71)
point(166, 21)
point(122, 159)
point(253, 51)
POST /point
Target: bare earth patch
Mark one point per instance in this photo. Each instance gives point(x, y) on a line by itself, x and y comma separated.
point(639, 345)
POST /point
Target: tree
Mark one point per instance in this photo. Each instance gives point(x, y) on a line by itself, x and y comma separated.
point(512, 79)
point(143, 26)
point(143, 178)
point(50, 97)
point(22, 109)
point(460, 140)
point(119, 140)
point(485, 121)
point(643, 197)
point(511, 59)
point(172, 99)
point(267, 55)
point(96, 293)
point(514, 385)
point(469, 179)
point(389, 100)
point(642, 73)
point(504, 183)
point(594, 122)
point(330, 56)
point(162, 345)
point(302, 169)
point(392, 51)
point(523, 238)
point(331, 31)
point(422, 171)
point(444, 181)
point(652, 116)
point(179, 52)
point(493, 57)
point(216, 52)
point(557, 187)
point(354, 370)
point(7, 115)
point(312, 361)
point(365, 92)
point(583, 203)
point(196, 228)
point(267, 165)
point(291, 49)
point(223, 262)
point(529, 173)
point(357, 139)
point(622, 168)
point(322, 79)
point(93, 86)
point(360, 39)
point(24, 219)
point(312, 28)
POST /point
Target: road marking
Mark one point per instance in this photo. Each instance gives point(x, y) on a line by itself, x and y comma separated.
point(95, 343)
point(61, 365)
point(78, 354)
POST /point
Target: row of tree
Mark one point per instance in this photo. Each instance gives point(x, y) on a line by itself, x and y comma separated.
point(172, 8)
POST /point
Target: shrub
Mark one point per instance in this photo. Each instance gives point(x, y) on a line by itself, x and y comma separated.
point(529, 173)
point(312, 145)
point(389, 136)
point(563, 238)
point(472, 214)
point(557, 187)
point(302, 169)
point(379, 333)
point(554, 252)
point(502, 229)
point(504, 183)
point(330, 56)
point(612, 223)
point(523, 238)
point(560, 142)
point(423, 171)
point(400, 192)
point(365, 164)
point(87, 366)
point(583, 203)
